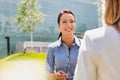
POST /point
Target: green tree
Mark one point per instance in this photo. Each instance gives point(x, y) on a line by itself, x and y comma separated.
point(28, 15)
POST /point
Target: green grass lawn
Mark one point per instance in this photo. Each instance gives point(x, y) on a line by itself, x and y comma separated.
point(26, 56)
point(26, 66)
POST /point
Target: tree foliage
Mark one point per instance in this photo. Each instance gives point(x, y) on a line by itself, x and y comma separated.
point(29, 14)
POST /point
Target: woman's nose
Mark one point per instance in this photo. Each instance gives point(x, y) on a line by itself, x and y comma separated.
point(68, 24)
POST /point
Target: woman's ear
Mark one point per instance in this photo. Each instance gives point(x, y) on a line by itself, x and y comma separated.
point(60, 28)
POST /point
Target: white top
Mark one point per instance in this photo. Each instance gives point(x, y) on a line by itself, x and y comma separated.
point(99, 57)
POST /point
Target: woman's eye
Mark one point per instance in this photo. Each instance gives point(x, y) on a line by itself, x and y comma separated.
point(72, 21)
point(68, 21)
point(64, 22)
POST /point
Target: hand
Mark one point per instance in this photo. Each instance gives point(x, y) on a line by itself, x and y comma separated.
point(61, 75)
point(52, 76)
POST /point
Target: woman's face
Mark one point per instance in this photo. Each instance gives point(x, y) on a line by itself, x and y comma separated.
point(67, 24)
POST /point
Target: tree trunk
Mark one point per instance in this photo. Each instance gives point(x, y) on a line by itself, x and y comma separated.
point(31, 38)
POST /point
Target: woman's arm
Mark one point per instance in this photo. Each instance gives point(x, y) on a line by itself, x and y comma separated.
point(50, 62)
point(52, 76)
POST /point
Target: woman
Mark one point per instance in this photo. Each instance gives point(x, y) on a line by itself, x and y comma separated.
point(100, 51)
point(62, 54)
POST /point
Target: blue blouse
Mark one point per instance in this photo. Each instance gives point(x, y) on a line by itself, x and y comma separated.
point(60, 57)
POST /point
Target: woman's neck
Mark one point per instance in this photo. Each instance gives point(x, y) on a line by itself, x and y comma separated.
point(68, 40)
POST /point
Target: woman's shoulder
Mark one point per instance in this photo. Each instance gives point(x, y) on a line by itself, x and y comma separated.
point(78, 40)
point(95, 33)
point(54, 44)
point(96, 30)
point(101, 35)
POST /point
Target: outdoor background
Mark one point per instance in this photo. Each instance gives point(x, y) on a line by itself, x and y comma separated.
point(84, 10)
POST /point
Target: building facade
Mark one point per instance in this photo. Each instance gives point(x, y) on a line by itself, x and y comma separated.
point(48, 30)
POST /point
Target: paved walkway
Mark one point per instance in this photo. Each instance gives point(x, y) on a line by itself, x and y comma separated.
point(22, 70)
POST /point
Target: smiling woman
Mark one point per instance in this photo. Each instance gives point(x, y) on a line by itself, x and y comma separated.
point(62, 54)
point(23, 67)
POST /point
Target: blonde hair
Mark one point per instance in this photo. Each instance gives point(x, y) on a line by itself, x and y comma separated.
point(112, 12)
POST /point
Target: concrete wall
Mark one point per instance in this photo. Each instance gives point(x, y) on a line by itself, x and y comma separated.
point(27, 46)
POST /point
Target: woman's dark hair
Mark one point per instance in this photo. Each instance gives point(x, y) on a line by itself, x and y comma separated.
point(59, 17)
point(60, 34)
